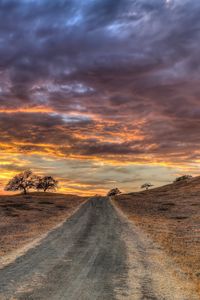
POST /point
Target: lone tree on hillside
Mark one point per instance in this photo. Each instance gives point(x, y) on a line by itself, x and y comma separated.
point(22, 182)
point(113, 192)
point(146, 186)
point(183, 177)
point(46, 183)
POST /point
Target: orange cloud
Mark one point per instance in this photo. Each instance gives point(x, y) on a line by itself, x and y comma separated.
point(28, 110)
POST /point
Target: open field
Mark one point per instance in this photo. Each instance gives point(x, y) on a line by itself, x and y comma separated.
point(171, 216)
point(23, 219)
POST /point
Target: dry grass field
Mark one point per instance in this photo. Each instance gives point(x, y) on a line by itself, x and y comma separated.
point(25, 218)
point(171, 216)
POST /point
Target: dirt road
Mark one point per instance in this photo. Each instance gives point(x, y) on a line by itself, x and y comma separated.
point(96, 254)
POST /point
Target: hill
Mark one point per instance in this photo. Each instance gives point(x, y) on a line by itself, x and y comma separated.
point(171, 216)
point(24, 219)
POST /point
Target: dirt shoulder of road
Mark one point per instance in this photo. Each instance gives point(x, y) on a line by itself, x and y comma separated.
point(25, 220)
point(170, 215)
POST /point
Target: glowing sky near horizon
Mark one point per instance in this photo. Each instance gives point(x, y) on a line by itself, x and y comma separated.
point(100, 93)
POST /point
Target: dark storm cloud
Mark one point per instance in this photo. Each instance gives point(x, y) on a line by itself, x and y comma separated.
point(100, 148)
point(38, 129)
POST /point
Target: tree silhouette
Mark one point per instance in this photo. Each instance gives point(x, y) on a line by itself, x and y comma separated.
point(146, 186)
point(46, 183)
point(22, 182)
point(113, 192)
point(183, 177)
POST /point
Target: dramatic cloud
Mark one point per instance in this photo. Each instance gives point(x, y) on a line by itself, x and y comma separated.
point(114, 83)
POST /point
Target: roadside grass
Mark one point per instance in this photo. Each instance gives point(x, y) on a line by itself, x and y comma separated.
point(25, 218)
point(171, 216)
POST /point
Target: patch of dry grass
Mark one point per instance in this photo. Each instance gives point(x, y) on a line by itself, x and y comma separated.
point(171, 216)
point(25, 218)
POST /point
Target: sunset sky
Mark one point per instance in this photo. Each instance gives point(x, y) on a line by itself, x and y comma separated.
point(100, 93)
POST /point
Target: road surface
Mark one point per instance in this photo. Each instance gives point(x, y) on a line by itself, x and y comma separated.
point(96, 254)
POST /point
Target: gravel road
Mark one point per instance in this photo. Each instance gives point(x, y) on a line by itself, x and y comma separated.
point(96, 254)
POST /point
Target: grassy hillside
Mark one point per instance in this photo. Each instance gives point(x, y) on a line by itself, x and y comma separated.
point(25, 218)
point(171, 216)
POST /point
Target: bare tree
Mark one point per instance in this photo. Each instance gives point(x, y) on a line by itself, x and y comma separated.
point(46, 183)
point(146, 186)
point(22, 182)
point(113, 192)
point(183, 177)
